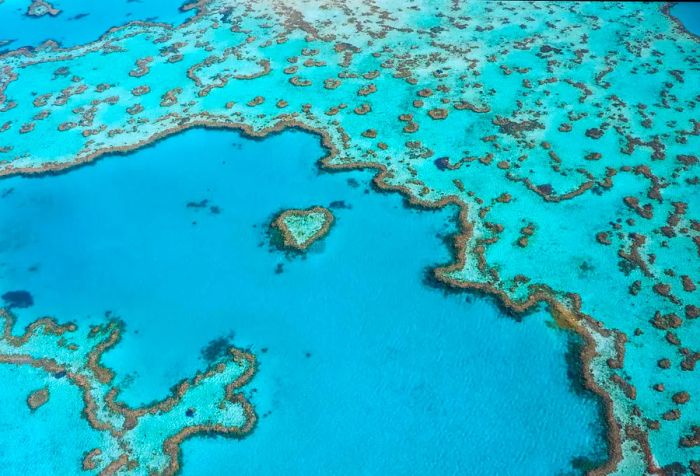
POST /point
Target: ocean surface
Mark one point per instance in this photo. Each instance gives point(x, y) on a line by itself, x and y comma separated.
point(364, 368)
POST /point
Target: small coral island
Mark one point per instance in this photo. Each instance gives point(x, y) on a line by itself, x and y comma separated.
point(39, 8)
point(300, 228)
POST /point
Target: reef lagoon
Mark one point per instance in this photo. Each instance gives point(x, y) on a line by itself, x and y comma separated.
point(357, 373)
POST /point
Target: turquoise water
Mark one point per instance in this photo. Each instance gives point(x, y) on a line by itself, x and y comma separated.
point(689, 14)
point(363, 368)
point(37, 442)
point(80, 21)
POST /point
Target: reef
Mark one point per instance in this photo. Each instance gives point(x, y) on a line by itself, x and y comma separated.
point(38, 398)
point(39, 8)
point(299, 229)
point(565, 133)
point(144, 440)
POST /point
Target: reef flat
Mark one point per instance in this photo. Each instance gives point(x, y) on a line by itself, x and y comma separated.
point(301, 228)
point(566, 133)
point(144, 440)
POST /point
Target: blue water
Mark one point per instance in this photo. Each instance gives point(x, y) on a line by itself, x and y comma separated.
point(363, 369)
point(38, 443)
point(689, 14)
point(79, 21)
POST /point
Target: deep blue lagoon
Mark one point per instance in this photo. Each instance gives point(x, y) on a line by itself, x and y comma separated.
point(363, 367)
point(80, 22)
point(689, 15)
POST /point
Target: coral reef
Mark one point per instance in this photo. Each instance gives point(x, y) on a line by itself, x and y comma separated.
point(566, 133)
point(301, 228)
point(143, 440)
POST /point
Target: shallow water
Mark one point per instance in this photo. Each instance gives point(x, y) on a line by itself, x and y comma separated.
point(363, 369)
point(36, 442)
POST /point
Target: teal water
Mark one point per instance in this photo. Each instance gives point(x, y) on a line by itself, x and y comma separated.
point(37, 442)
point(363, 368)
point(689, 14)
point(79, 21)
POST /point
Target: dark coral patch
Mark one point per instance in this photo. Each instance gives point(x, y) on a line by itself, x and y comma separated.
point(18, 299)
point(216, 349)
